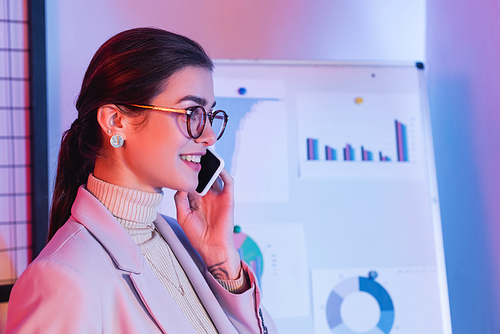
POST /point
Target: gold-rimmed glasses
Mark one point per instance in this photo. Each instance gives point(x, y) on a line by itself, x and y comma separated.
point(196, 118)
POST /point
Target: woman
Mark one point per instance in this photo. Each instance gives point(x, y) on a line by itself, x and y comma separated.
point(113, 264)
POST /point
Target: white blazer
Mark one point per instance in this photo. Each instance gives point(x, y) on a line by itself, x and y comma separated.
point(92, 278)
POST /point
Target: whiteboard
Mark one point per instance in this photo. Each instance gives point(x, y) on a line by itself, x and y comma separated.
point(336, 193)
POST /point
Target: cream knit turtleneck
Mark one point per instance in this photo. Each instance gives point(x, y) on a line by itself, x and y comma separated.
point(136, 210)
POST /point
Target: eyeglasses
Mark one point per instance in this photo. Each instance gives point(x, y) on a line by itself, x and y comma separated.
point(196, 118)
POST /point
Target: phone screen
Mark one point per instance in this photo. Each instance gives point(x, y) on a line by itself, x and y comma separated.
point(211, 166)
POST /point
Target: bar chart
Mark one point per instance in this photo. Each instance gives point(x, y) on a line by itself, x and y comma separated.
point(339, 137)
point(349, 153)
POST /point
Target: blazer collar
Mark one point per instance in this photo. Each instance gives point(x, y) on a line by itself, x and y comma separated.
point(90, 212)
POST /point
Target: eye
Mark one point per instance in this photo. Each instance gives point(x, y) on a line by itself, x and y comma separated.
point(192, 109)
point(196, 114)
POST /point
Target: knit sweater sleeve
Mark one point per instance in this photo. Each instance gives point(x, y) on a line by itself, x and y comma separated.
point(238, 285)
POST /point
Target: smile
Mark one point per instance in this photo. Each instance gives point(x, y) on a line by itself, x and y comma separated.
point(192, 158)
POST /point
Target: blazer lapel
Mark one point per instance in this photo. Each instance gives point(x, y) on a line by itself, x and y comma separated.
point(193, 265)
point(127, 256)
point(160, 304)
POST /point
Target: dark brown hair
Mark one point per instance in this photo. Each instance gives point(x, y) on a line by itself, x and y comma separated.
point(131, 67)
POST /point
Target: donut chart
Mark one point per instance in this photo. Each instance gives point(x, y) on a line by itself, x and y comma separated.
point(249, 251)
point(353, 285)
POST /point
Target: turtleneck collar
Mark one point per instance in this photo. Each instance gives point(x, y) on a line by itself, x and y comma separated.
point(132, 207)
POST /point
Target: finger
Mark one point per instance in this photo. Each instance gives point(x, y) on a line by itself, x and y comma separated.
point(194, 200)
point(228, 180)
point(182, 203)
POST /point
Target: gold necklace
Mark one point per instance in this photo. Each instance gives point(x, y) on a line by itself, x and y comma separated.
point(179, 287)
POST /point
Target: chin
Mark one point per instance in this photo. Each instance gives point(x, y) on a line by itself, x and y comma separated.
point(189, 188)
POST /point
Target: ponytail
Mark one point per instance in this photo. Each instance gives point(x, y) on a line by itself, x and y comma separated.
point(76, 161)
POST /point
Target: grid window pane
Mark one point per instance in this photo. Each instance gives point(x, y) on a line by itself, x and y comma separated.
point(6, 209)
point(5, 237)
point(5, 152)
point(21, 122)
point(21, 153)
point(15, 181)
point(4, 64)
point(20, 93)
point(5, 117)
point(4, 93)
point(4, 33)
point(18, 36)
point(22, 205)
point(18, 10)
point(6, 177)
point(22, 236)
point(19, 64)
point(22, 180)
point(3, 10)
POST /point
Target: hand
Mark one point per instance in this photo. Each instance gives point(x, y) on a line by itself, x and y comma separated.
point(208, 224)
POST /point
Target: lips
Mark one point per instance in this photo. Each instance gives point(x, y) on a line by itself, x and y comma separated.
point(193, 161)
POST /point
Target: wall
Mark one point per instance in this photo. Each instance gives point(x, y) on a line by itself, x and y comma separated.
point(463, 48)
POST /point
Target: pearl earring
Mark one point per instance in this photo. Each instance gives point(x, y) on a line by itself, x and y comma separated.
point(116, 141)
point(109, 131)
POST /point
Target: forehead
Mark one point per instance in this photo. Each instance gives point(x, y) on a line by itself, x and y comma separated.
point(187, 86)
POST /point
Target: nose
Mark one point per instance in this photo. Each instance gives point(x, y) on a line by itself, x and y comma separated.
point(208, 136)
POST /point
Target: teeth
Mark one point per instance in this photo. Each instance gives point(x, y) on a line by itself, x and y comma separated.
point(192, 158)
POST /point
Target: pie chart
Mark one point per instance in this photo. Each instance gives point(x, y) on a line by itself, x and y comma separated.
point(358, 300)
point(249, 251)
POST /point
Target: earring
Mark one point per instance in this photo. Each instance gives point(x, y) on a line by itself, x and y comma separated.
point(109, 131)
point(116, 141)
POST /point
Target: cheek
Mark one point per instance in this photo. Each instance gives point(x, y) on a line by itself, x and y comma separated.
point(156, 153)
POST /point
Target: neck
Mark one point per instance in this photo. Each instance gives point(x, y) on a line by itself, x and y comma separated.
point(111, 170)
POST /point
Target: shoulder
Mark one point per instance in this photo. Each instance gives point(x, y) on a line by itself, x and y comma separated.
point(72, 245)
point(49, 286)
point(67, 279)
point(73, 254)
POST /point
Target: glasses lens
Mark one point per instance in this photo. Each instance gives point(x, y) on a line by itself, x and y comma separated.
point(197, 121)
point(218, 122)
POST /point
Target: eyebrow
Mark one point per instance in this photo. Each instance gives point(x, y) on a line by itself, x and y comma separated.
point(196, 99)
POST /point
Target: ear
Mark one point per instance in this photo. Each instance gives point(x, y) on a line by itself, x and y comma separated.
point(112, 121)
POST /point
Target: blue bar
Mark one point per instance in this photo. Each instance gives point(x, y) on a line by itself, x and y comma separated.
point(315, 149)
point(405, 143)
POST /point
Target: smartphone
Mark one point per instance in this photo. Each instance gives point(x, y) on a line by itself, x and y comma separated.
point(211, 166)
